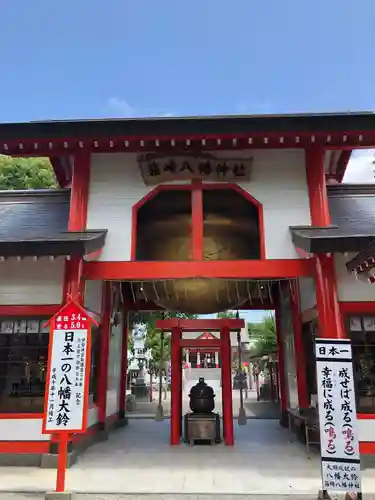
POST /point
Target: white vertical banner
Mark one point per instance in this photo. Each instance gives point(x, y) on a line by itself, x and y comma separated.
point(66, 397)
point(337, 416)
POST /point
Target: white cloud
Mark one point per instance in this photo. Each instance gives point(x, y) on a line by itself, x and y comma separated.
point(120, 107)
point(361, 167)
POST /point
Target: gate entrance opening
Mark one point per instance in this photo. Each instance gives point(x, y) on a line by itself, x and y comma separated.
point(224, 327)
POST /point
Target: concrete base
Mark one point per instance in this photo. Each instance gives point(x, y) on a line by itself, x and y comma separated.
point(49, 460)
point(65, 495)
point(20, 459)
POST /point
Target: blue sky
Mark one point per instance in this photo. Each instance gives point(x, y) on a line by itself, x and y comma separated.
point(81, 58)
point(90, 59)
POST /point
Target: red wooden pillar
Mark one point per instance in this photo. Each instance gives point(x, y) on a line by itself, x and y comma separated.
point(73, 279)
point(226, 386)
point(79, 193)
point(73, 285)
point(124, 364)
point(181, 392)
point(175, 386)
point(299, 348)
point(281, 367)
point(331, 323)
point(105, 335)
point(197, 242)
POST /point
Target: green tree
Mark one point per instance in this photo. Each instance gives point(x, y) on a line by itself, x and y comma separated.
point(264, 336)
point(226, 314)
point(26, 173)
point(154, 342)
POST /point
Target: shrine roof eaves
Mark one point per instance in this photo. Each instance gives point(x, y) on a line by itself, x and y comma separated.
point(333, 239)
point(61, 244)
point(175, 126)
point(364, 260)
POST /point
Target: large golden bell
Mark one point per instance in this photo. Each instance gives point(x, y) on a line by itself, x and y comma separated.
point(169, 239)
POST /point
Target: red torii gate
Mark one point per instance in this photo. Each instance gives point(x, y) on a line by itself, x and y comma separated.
point(176, 327)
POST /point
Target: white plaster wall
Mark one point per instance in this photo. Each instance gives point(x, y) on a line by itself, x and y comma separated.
point(28, 429)
point(366, 429)
point(29, 282)
point(115, 186)
point(351, 289)
point(278, 181)
point(307, 293)
point(114, 371)
point(93, 296)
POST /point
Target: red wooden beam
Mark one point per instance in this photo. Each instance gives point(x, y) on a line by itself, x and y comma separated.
point(203, 350)
point(79, 192)
point(357, 307)
point(233, 269)
point(197, 245)
point(65, 146)
point(196, 343)
point(62, 175)
point(30, 310)
point(342, 163)
point(200, 325)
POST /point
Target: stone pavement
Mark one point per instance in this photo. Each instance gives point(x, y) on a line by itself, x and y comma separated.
point(138, 460)
point(137, 463)
point(93, 496)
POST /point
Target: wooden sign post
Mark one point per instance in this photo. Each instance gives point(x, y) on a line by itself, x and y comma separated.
point(67, 386)
point(340, 458)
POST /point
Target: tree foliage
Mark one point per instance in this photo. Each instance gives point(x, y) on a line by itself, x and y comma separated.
point(226, 314)
point(26, 173)
point(264, 336)
point(154, 343)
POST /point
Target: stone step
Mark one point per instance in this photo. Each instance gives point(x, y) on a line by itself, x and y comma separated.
point(196, 497)
point(206, 373)
point(156, 496)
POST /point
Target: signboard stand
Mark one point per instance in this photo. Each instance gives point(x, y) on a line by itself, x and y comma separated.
point(67, 385)
point(340, 458)
point(61, 462)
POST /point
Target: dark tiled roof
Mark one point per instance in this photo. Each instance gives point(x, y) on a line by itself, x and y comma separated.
point(352, 209)
point(33, 214)
point(174, 126)
point(35, 223)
